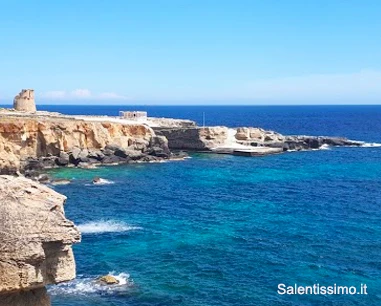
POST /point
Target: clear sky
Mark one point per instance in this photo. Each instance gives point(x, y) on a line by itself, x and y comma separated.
point(192, 51)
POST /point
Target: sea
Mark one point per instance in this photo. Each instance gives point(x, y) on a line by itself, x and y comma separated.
point(228, 230)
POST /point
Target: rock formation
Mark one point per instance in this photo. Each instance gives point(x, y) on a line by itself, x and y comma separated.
point(227, 140)
point(24, 101)
point(108, 280)
point(195, 138)
point(28, 142)
point(35, 242)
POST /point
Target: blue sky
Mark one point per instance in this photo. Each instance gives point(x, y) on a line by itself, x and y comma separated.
point(192, 51)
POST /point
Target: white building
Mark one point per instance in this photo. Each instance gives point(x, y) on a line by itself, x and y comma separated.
point(133, 115)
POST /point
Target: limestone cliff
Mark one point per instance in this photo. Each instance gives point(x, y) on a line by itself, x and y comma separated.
point(35, 242)
point(26, 138)
point(195, 138)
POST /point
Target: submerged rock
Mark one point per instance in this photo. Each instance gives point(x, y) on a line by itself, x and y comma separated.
point(108, 280)
point(60, 182)
point(96, 180)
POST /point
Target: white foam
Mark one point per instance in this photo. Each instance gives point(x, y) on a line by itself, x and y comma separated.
point(371, 145)
point(102, 181)
point(325, 147)
point(86, 286)
point(106, 227)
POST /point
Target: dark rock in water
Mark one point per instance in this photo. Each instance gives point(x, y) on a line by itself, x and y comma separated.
point(63, 159)
point(97, 155)
point(339, 141)
point(292, 146)
point(179, 155)
point(60, 182)
point(315, 143)
point(73, 160)
point(43, 178)
point(32, 174)
point(158, 152)
point(334, 141)
point(93, 161)
point(107, 152)
point(77, 156)
point(75, 152)
point(134, 154)
point(112, 159)
point(40, 163)
point(150, 159)
point(275, 144)
point(120, 153)
point(309, 142)
point(108, 280)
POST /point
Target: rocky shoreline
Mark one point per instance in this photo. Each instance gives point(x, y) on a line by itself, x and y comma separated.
point(230, 140)
point(31, 142)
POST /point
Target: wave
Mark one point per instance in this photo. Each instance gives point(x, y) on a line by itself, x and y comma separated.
point(325, 147)
point(102, 181)
point(371, 145)
point(106, 227)
point(86, 286)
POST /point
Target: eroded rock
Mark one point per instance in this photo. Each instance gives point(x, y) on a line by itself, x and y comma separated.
point(35, 241)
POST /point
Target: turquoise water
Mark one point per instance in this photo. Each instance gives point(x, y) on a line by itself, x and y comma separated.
point(226, 230)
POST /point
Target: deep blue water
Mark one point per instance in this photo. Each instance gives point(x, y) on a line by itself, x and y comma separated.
point(226, 230)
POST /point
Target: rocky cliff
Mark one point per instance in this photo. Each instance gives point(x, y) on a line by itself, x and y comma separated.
point(30, 142)
point(195, 138)
point(35, 242)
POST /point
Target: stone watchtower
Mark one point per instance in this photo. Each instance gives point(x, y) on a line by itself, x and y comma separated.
point(24, 101)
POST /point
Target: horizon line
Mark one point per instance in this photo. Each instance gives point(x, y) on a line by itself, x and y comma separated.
point(213, 104)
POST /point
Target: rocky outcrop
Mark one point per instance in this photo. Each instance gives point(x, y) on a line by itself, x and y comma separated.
point(108, 280)
point(28, 143)
point(35, 242)
point(195, 138)
point(247, 141)
point(251, 134)
point(24, 101)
